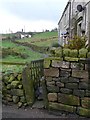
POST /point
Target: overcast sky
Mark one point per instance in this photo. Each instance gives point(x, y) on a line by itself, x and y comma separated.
point(30, 15)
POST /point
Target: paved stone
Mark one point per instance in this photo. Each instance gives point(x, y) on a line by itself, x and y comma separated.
point(38, 104)
point(28, 112)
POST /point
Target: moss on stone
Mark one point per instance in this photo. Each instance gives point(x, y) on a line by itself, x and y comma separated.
point(58, 52)
point(70, 59)
point(66, 52)
point(83, 112)
point(59, 106)
point(19, 77)
point(11, 78)
point(73, 53)
point(68, 99)
point(88, 55)
point(8, 86)
point(46, 63)
point(17, 92)
point(15, 99)
point(86, 102)
point(28, 85)
point(83, 53)
point(15, 84)
point(53, 58)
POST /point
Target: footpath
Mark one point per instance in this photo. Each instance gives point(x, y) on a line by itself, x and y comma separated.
point(11, 111)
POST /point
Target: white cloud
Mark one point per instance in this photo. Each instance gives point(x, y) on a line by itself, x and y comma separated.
point(10, 22)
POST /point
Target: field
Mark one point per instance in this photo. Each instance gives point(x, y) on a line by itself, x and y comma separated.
point(42, 39)
point(12, 52)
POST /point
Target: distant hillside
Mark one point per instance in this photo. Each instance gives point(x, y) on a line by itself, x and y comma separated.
point(42, 39)
point(44, 35)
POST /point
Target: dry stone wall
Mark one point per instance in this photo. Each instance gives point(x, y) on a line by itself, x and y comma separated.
point(12, 89)
point(67, 85)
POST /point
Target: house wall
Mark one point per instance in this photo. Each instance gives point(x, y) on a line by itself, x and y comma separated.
point(63, 25)
point(75, 24)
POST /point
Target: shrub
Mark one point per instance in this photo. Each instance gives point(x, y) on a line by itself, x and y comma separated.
point(76, 43)
point(55, 44)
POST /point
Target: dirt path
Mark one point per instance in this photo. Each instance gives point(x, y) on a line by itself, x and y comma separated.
point(11, 111)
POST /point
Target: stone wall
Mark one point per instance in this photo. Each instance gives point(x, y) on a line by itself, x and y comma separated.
point(67, 85)
point(12, 89)
point(40, 49)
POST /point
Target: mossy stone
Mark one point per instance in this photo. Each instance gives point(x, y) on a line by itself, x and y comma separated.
point(86, 102)
point(8, 98)
point(70, 59)
point(22, 99)
point(28, 85)
point(66, 52)
point(83, 53)
point(8, 86)
point(5, 80)
point(19, 77)
point(58, 52)
point(11, 78)
point(15, 84)
point(46, 63)
point(17, 92)
point(68, 99)
point(59, 106)
point(88, 55)
point(73, 53)
point(20, 86)
point(15, 99)
point(52, 50)
point(84, 112)
point(20, 104)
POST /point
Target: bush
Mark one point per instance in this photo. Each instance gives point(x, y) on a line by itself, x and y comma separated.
point(76, 43)
point(55, 44)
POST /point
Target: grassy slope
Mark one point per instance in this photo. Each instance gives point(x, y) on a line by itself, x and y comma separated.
point(32, 55)
point(22, 49)
point(42, 39)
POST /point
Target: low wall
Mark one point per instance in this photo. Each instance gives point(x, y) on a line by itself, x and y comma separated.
point(12, 89)
point(40, 49)
point(67, 85)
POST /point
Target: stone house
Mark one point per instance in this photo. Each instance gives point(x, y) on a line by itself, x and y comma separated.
point(75, 20)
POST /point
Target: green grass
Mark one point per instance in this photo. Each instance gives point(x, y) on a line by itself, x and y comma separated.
point(7, 44)
point(46, 43)
point(42, 39)
point(45, 35)
point(12, 68)
point(39, 39)
point(21, 49)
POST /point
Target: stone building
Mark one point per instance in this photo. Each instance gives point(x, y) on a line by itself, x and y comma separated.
point(75, 20)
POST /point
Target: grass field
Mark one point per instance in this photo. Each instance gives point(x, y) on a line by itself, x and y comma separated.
point(42, 39)
point(20, 49)
point(32, 55)
point(39, 39)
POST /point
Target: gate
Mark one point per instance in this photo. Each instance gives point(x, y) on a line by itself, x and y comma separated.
point(31, 76)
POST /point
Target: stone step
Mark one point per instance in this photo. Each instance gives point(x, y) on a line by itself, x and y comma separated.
point(38, 104)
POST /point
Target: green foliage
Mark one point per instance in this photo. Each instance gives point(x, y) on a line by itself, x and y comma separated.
point(55, 44)
point(42, 39)
point(83, 53)
point(76, 43)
